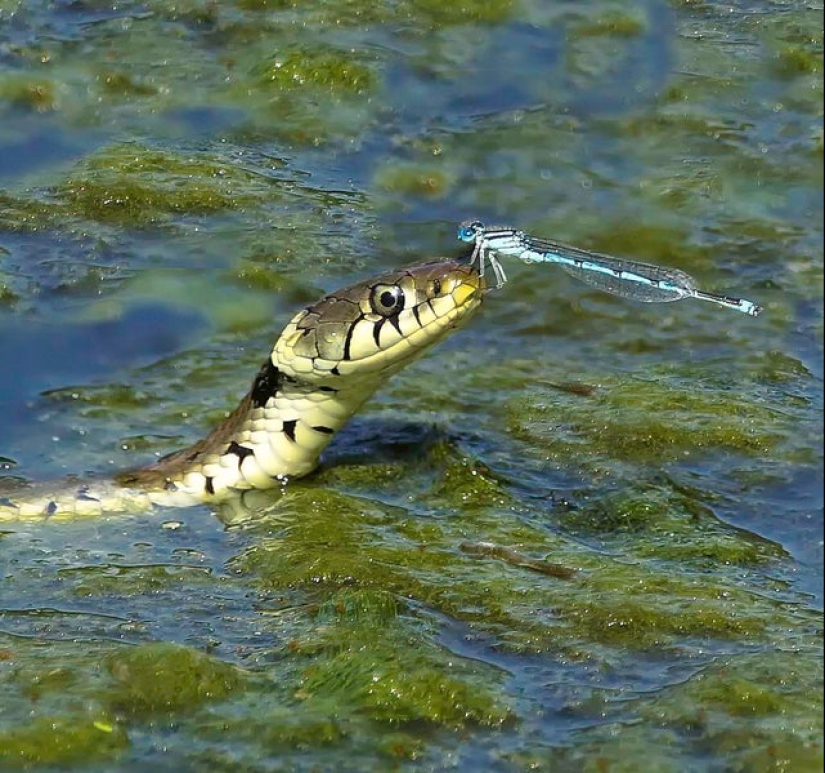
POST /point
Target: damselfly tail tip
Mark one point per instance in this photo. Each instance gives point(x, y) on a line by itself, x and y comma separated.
point(754, 309)
point(744, 305)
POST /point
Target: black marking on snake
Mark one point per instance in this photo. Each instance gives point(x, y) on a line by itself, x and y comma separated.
point(437, 286)
point(267, 383)
point(376, 331)
point(331, 390)
point(324, 430)
point(395, 323)
point(170, 485)
point(240, 451)
point(209, 486)
point(51, 508)
point(417, 315)
point(348, 339)
point(289, 428)
point(335, 372)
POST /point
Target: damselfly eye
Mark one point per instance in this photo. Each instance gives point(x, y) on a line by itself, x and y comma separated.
point(467, 231)
point(387, 300)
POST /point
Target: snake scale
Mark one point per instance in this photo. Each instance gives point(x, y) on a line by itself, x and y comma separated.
point(327, 361)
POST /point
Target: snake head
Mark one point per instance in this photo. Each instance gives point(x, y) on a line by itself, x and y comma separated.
point(366, 332)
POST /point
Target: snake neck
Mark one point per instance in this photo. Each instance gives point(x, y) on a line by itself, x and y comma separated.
point(277, 432)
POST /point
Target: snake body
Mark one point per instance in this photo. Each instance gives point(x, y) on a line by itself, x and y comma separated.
point(327, 361)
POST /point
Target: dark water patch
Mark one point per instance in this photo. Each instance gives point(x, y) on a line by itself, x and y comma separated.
point(201, 120)
point(42, 145)
point(42, 267)
point(41, 356)
point(44, 624)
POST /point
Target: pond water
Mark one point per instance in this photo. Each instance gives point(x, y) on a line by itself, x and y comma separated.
point(176, 179)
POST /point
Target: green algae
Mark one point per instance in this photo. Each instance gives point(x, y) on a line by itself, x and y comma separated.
point(141, 681)
point(162, 677)
point(795, 60)
point(778, 692)
point(35, 94)
point(444, 14)
point(60, 741)
point(261, 277)
point(660, 610)
point(132, 185)
point(82, 713)
point(426, 13)
point(222, 54)
point(7, 296)
point(701, 717)
point(455, 480)
point(26, 213)
point(609, 25)
point(627, 749)
point(122, 84)
point(337, 542)
point(414, 179)
point(359, 668)
point(111, 396)
point(281, 728)
point(358, 587)
point(362, 657)
point(643, 421)
point(326, 70)
point(661, 522)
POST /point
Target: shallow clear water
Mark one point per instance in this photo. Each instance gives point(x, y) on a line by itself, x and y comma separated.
point(176, 179)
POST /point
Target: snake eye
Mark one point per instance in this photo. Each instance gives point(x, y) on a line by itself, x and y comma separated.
point(387, 300)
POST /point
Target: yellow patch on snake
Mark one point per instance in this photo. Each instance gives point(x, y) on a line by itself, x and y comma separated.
point(388, 336)
point(426, 314)
point(360, 340)
point(407, 322)
point(463, 292)
point(324, 364)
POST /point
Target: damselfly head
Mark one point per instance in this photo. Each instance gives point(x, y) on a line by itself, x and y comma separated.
point(469, 230)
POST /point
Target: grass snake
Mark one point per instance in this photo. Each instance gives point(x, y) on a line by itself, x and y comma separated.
point(327, 361)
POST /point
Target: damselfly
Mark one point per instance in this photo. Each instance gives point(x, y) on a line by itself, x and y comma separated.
point(644, 282)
